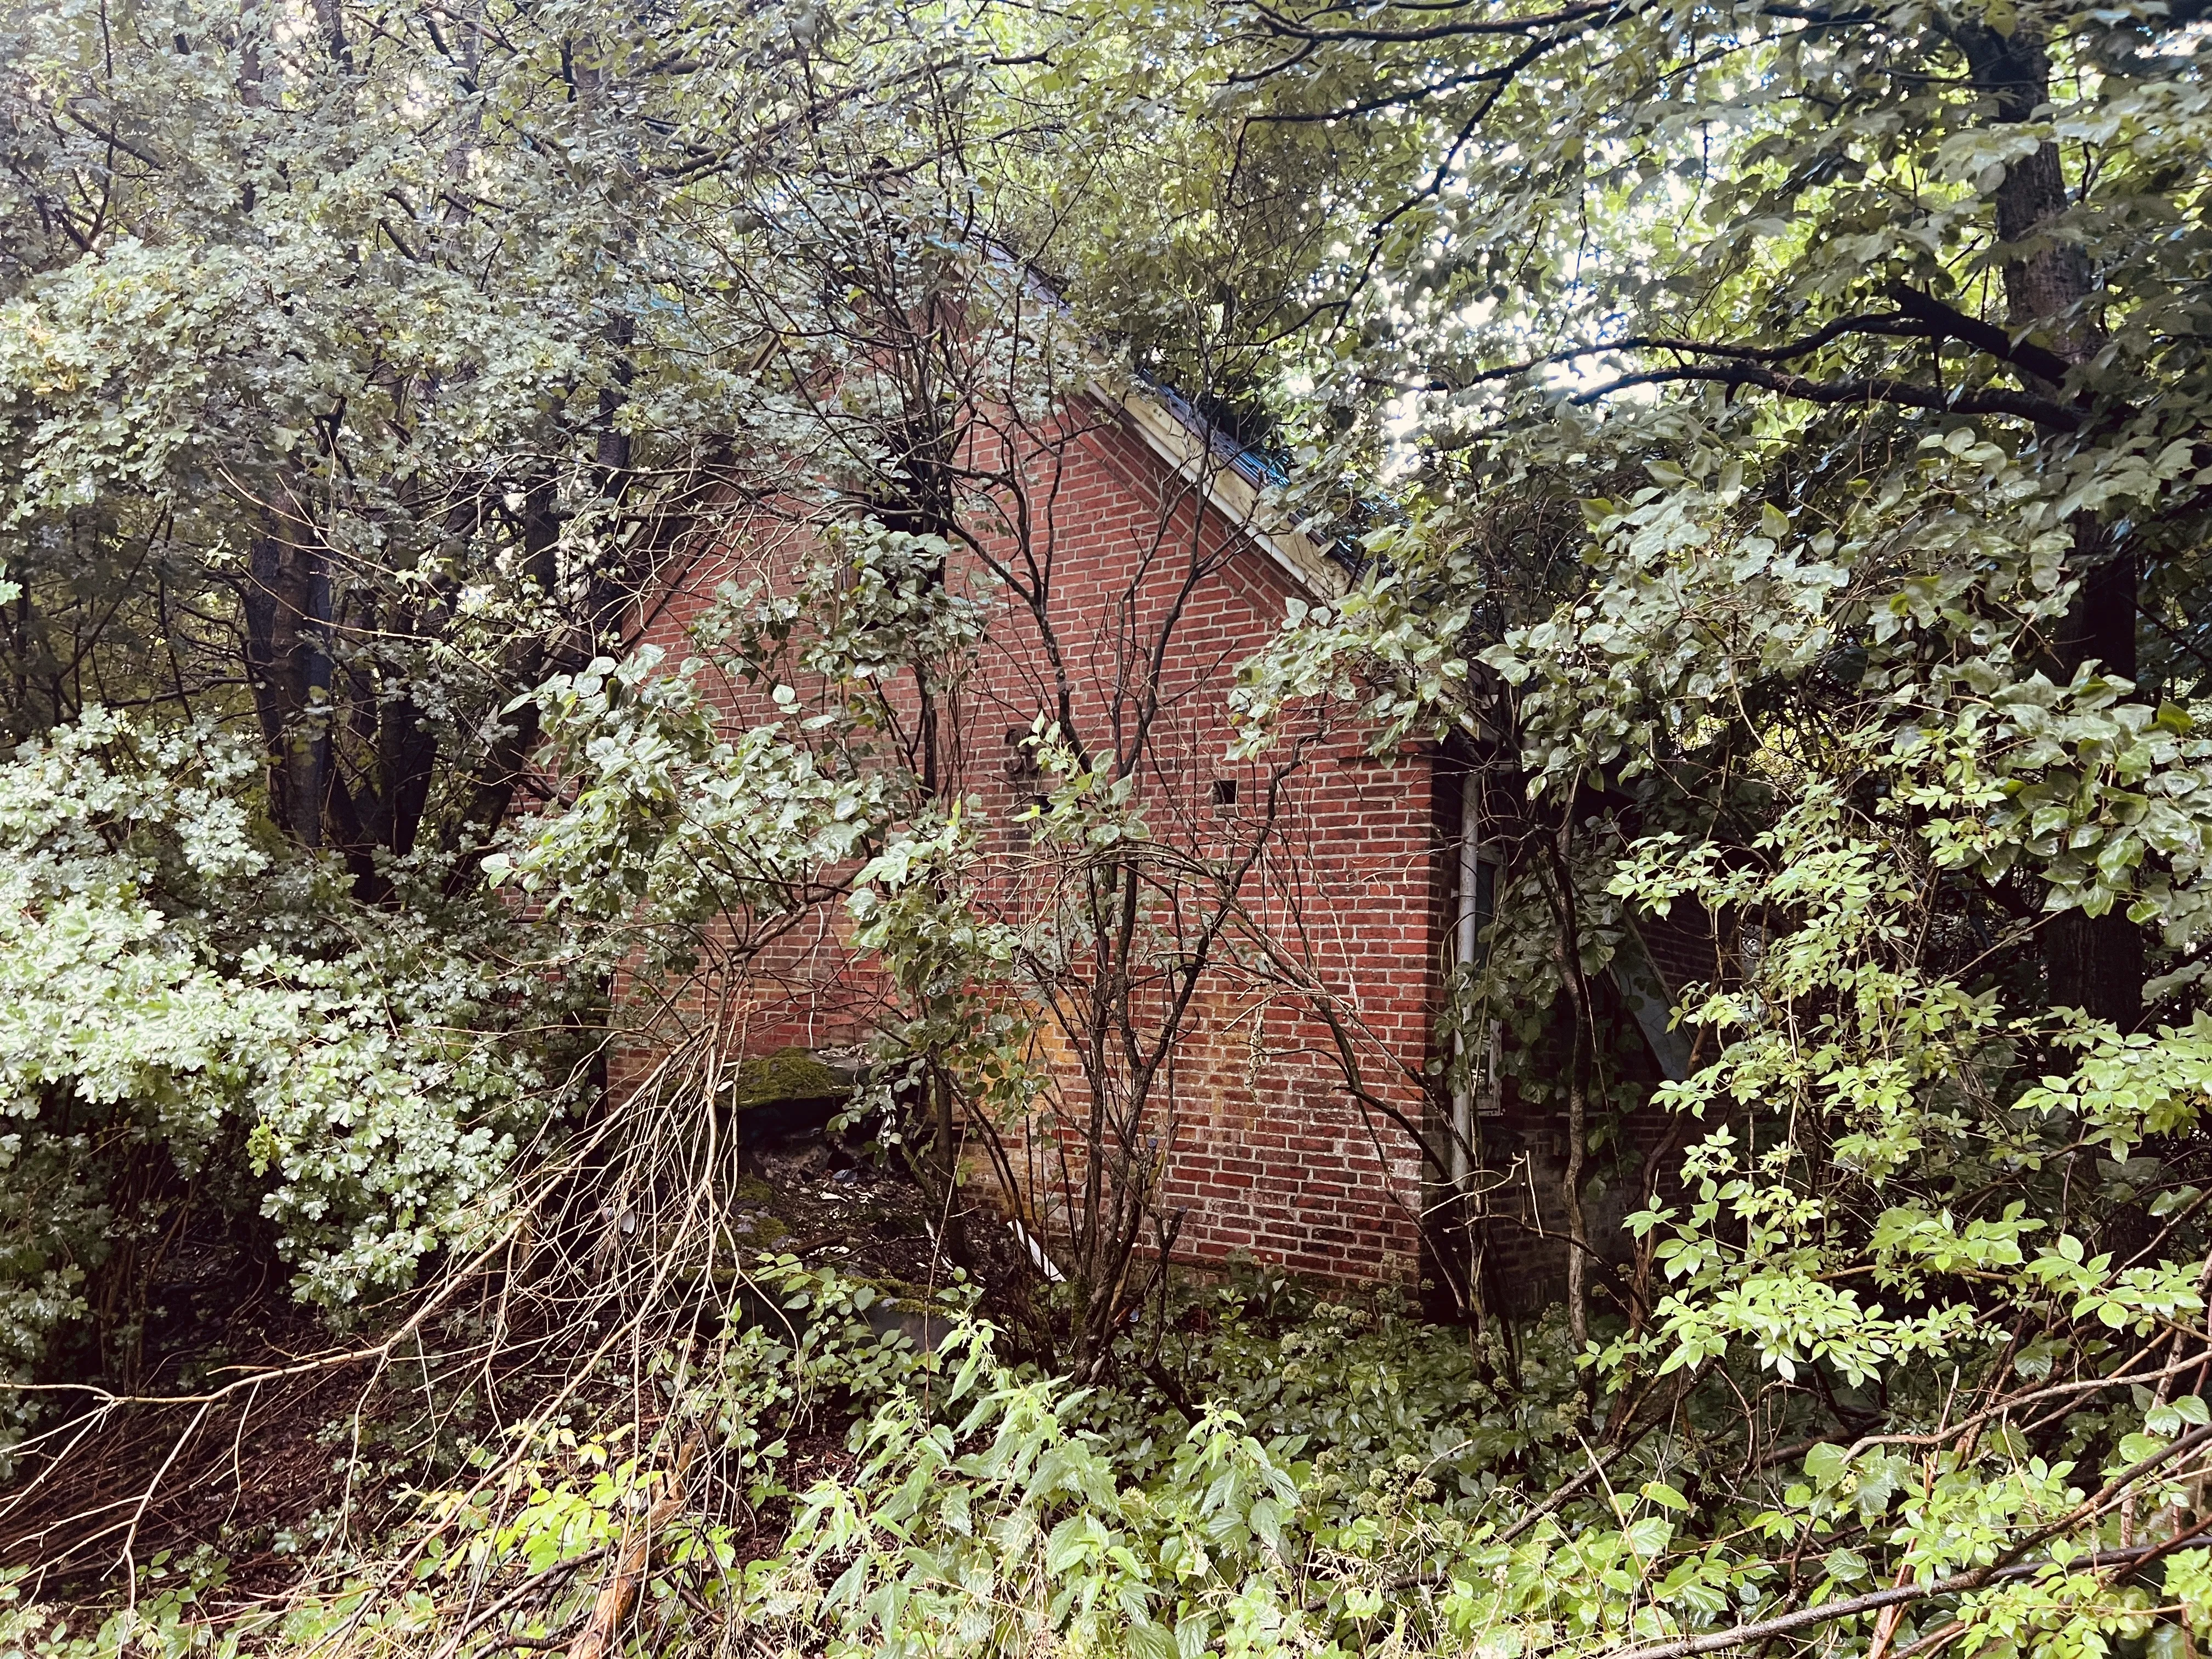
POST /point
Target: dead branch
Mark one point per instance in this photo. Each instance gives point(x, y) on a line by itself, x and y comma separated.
point(2044, 411)
point(542, 1580)
point(620, 1590)
point(2009, 1565)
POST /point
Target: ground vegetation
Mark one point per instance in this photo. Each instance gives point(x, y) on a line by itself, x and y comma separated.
point(1770, 441)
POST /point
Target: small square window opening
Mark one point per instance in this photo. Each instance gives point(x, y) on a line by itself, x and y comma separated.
point(1225, 792)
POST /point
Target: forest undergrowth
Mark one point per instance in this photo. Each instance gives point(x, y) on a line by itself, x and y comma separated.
point(1743, 466)
point(1271, 1466)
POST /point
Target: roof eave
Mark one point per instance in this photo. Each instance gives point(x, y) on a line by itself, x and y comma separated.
point(1228, 493)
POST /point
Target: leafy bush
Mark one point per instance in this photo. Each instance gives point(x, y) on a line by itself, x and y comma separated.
point(1315, 1459)
point(196, 1024)
point(979, 1504)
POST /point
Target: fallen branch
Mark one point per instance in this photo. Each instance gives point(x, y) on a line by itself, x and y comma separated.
point(540, 1580)
point(617, 1595)
point(2007, 1565)
point(1687, 1647)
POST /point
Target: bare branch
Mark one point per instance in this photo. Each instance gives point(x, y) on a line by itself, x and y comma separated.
point(1688, 1647)
point(2044, 411)
point(1278, 24)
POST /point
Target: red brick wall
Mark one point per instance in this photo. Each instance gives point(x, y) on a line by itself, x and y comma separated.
point(1266, 1151)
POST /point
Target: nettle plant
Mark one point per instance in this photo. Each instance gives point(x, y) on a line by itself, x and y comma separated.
point(202, 1036)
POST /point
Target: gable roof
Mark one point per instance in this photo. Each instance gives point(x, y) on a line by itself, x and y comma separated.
point(1233, 480)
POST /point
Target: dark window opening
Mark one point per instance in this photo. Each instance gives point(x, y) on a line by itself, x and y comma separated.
point(1225, 792)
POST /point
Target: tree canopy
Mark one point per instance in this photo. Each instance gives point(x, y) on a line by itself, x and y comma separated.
point(1773, 440)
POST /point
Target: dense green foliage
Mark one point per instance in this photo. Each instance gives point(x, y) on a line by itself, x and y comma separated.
point(1777, 437)
point(1869, 342)
point(194, 1038)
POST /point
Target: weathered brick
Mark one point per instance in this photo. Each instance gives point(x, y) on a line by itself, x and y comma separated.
point(1270, 1153)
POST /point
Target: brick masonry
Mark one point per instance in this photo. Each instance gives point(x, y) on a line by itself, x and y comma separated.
point(1264, 1149)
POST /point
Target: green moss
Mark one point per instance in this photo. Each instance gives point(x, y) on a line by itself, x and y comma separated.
point(768, 1232)
point(788, 1074)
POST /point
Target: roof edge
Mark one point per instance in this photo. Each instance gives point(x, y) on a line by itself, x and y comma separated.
point(1228, 492)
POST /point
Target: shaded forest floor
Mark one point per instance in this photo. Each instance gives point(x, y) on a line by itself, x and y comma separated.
point(251, 1437)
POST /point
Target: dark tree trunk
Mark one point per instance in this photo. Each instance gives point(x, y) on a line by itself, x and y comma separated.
point(2093, 962)
point(2046, 284)
point(287, 658)
point(508, 765)
point(612, 449)
point(2096, 962)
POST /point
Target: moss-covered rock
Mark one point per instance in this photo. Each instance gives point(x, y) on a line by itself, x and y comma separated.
point(786, 1075)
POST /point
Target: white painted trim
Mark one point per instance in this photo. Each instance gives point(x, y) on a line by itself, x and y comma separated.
point(1228, 493)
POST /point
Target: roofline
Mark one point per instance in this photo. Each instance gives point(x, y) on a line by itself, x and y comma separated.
point(1191, 457)
point(1228, 491)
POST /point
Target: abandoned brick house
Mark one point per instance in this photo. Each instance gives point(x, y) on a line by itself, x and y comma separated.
point(1162, 562)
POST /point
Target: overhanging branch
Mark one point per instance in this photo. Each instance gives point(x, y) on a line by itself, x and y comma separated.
point(1919, 317)
point(1943, 321)
point(2044, 411)
point(1295, 29)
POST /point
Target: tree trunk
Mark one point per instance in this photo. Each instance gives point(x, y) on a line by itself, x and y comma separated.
point(1580, 1055)
point(287, 658)
point(1578, 1223)
point(2093, 962)
point(2096, 962)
